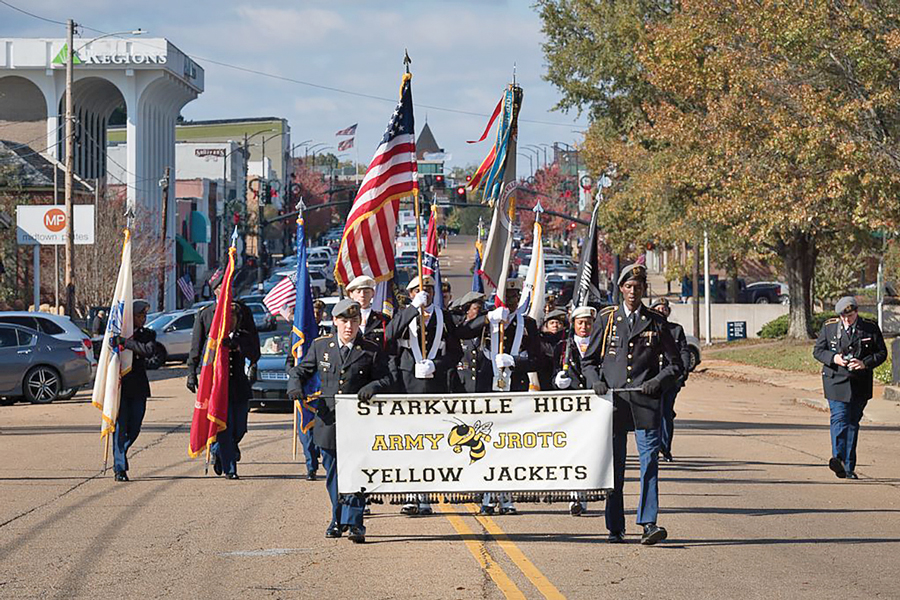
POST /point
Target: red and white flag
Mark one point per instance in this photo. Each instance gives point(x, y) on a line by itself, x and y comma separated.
point(348, 131)
point(284, 294)
point(367, 246)
point(345, 145)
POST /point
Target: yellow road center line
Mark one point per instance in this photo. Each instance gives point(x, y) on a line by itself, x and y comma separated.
point(481, 554)
point(540, 581)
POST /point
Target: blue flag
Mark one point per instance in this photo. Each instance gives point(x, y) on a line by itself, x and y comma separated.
point(304, 331)
point(477, 281)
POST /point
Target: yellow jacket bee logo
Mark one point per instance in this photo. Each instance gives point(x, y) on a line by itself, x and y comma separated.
point(473, 437)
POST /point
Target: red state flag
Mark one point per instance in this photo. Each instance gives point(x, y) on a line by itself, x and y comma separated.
point(211, 406)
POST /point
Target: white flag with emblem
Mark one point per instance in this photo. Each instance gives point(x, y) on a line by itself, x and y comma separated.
point(532, 303)
point(115, 362)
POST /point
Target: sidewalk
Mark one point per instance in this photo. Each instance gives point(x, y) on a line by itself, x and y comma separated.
point(808, 387)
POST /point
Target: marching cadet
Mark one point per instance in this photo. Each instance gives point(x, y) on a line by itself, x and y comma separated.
point(466, 309)
point(415, 372)
point(567, 357)
point(632, 349)
point(667, 429)
point(243, 342)
point(319, 312)
point(372, 324)
point(446, 293)
point(135, 388)
point(521, 355)
point(553, 331)
point(347, 363)
point(849, 348)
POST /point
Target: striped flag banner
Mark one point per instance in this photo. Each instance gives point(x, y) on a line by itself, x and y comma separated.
point(348, 131)
point(283, 295)
point(345, 145)
point(367, 246)
point(186, 286)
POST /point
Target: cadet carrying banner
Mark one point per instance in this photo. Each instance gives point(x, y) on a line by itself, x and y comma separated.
point(537, 446)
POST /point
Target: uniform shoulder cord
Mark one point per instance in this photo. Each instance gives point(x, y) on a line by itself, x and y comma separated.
point(606, 330)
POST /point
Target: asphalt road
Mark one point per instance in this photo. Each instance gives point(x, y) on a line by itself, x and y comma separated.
point(751, 508)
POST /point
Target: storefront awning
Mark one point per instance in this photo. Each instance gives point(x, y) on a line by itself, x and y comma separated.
point(185, 254)
point(199, 227)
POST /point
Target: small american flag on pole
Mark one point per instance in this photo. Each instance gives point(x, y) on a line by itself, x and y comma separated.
point(186, 287)
point(349, 131)
point(345, 145)
point(367, 246)
point(283, 295)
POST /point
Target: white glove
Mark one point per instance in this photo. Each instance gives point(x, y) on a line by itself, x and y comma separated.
point(420, 299)
point(561, 381)
point(501, 313)
point(424, 369)
point(504, 360)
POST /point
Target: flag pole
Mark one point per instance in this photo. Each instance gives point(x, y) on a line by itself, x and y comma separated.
point(300, 206)
point(294, 443)
point(407, 61)
point(106, 453)
point(206, 466)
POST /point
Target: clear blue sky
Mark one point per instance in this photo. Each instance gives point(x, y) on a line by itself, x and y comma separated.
point(463, 53)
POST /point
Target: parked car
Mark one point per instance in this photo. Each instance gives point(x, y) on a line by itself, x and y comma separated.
point(561, 286)
point(270, 389)
point(406, 262)
point(262, 318)
point(694, 349)
point(551, 263)
point(59, 326)
point(761, 292)
point(39, 367)
point(173, 337)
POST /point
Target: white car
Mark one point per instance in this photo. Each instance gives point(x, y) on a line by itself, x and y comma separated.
point(173, 333)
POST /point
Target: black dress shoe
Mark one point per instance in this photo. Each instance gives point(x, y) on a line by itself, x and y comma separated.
point(232, 476)
point(667, 455)
point(616, 537)
point(333, 532)
point(357, 534)
point(653, 534)
point(575, 509)
point(852, 475)
point(837, 466)
point(486, 510)
point(217, 465)
point(311, 476)
point(121, 476)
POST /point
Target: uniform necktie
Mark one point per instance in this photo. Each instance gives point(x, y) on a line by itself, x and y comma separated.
point(345, 352)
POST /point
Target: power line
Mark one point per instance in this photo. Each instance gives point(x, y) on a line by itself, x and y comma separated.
point(300, 81)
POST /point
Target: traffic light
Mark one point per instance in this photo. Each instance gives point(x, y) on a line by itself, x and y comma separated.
point(267, 193)
point(439, 181)
point(461, 193)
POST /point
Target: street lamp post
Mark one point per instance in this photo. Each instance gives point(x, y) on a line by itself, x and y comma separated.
point(530, 162)
point(259, 211)
point(537, 155)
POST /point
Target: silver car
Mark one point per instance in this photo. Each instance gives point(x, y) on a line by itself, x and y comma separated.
point(37, 367)
point(173, 336)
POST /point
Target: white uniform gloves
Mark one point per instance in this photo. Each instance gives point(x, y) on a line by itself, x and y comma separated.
point(424, 369)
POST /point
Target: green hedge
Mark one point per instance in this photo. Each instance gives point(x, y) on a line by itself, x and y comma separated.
point(778, 328)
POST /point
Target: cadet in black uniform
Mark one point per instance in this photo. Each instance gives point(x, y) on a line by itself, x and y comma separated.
point(243, 342)
point(553, 331)
point(633, 348)
point(347, 363)
point(362, 290)
point(464, 310)
point(135, 388)
point(849, 348)
point(570, 375)
point(667, 430)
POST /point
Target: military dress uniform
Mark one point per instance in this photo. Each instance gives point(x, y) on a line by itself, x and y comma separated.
point(633, 350)
point(244, 346)
point(359, 367)
point(464, 378)
point(667, 429)
point(134, 394)
point(549, 344)
point(848, 391)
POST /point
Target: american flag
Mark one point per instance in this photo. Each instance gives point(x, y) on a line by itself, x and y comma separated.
point(367, 246)
point(345, 145)
point(283, 295)
point(186, 287)
point(349, 131)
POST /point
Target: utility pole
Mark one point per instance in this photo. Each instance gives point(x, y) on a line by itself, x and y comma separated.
point(161, 302)
point(695, 288)
point(70, 167)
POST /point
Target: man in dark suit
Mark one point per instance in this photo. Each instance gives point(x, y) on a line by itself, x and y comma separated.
point(347, 363)
point(668, 398)
point(849, 348)
point(632, 349)
point(243, 342)
point(135, 388)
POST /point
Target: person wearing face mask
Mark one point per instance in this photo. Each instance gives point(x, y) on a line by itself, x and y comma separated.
point(632, 349)
point(668, 398)
point(415, 371)
point(346, 363)
point(849, 348)
point(570, 376)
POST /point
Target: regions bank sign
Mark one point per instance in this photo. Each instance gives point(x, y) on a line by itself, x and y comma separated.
point(83, 57)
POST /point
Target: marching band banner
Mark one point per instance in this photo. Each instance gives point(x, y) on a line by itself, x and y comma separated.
point(530, 444)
